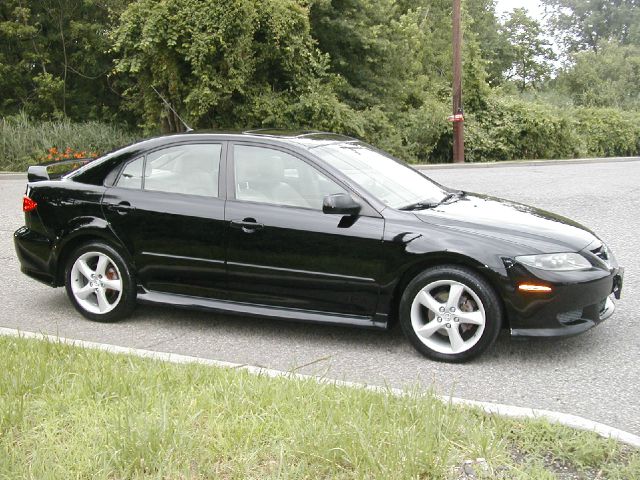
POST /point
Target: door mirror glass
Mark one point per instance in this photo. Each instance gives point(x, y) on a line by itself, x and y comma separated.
point(341, 204)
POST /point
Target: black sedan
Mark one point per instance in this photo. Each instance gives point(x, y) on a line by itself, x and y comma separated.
point(315, 227)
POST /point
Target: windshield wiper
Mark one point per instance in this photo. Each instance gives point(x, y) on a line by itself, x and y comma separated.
point(457, 194)
point(424, 205)
point(420, 206)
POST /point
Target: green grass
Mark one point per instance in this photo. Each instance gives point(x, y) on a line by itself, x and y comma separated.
point(67, 412)
point(25, 142)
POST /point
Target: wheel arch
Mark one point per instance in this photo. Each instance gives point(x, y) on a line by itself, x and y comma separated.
point(75, 236)
point(442, 259)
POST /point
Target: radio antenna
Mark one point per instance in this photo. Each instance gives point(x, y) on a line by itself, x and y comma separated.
point(189, 129)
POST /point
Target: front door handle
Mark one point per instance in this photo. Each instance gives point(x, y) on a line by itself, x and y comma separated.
point(121, 208)
point(247, 225)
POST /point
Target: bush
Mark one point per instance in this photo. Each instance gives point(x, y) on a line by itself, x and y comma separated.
point(515, 129)
point(608, 132)
point(507, 129)
point(24, 142)
point(511, 129)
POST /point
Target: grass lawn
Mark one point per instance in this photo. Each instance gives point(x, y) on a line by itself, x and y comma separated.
point(67, 412)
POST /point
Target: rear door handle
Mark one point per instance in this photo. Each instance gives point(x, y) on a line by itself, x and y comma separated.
point(122, 208)
point(247, 225)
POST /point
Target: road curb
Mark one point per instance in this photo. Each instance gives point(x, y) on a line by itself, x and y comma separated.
point(12, 175)
point(527, 163)
point(569, 420)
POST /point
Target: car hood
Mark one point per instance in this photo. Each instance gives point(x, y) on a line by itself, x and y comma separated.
point(510, 221)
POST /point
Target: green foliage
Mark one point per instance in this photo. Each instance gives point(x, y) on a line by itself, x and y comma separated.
point(609, 77)
point(609, 132)
point(529, 53)
point(24, 142)
point(54, 58)
point(517, 129)
point(381, 76)
point(494, 45)
point(217, 61)
point(586, 24)
point(514, 129)
point(388, 54)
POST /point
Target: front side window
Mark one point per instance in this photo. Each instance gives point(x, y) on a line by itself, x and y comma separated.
point(392, 182)
point(267, 175)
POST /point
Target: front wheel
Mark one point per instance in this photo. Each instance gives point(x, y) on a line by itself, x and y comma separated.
point(99, 283)
point(450, 313)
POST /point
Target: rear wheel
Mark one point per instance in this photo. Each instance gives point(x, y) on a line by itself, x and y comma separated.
point(450, 313)
point(99, 283)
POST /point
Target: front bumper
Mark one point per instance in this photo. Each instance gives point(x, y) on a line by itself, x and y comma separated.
point(577, 303)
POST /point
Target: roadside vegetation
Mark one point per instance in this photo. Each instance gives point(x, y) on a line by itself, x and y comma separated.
point(376, 69)
point(25, 142)
point(67, 412)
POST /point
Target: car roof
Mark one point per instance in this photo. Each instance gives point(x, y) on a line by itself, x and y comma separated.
point(301, 138)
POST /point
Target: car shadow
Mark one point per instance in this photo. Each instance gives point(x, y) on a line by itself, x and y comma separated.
point(287, 333)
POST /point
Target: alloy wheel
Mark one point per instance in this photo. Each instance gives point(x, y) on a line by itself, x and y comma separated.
point(448, 316)
point(96, 282)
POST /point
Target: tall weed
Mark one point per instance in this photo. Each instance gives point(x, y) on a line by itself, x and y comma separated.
point(25, 142)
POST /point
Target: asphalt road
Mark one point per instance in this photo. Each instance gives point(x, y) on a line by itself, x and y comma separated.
point(595, 375)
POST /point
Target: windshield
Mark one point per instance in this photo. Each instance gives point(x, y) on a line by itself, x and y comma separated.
point(394, 183)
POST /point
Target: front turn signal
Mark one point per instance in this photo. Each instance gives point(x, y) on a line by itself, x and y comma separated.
point(28, 204)
point(531, 287)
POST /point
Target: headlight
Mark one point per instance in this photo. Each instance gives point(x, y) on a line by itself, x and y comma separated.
point(559, 262)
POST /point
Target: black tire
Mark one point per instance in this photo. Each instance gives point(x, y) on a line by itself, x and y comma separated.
point(432, 344)
point(123, 302)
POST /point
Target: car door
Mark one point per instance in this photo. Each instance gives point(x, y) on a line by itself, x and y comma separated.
point(283, 250)
point(167, 208)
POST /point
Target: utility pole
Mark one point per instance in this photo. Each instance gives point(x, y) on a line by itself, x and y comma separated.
point(458, 114)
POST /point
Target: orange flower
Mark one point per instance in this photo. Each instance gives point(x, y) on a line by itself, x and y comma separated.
point(49, 157)
point(53, 150)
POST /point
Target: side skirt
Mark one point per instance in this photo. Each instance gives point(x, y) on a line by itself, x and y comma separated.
point(254, 310)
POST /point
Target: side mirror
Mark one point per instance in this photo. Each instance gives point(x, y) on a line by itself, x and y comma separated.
point(340, 204)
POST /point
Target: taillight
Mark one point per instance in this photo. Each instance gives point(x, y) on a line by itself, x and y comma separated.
point(28, 204)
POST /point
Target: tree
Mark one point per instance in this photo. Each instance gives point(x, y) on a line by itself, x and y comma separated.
point(492, 40)
point(586, 24)
point(608, 77)
point(375, 46)
point(232, 64)
point(394, 58)
point(530, 54)
point(54, 58)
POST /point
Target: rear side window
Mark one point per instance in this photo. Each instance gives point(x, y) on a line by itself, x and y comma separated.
point(131, 176)
point(187, 169)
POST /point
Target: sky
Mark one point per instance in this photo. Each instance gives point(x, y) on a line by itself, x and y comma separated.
point(534, 7)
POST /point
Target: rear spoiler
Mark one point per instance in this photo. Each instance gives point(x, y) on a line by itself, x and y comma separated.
point(55, 170)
